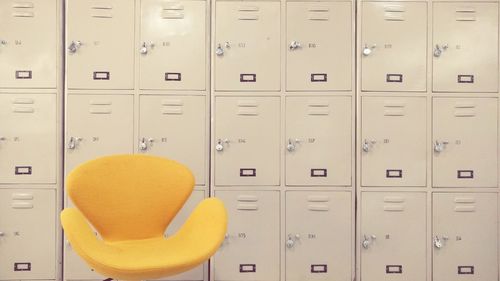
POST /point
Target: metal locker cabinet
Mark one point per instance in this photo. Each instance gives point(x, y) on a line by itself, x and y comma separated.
point(393, 146)
point(393, 236)
point(174, 127)
point(251, 250)
point(318, 236)
point(465, 142)
point(172, 45)
point(393, 46)
point(28, 43)
point(318, 141)
point(97, 125)
point(319, 50)
point(100, 44)
point(28, 138)
point(465, 236)
point(27, 234)
point(246, 140)
point(247, 46)
point(465, 42)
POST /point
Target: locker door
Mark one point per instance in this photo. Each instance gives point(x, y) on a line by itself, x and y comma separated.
point(100, 44)
point(196, 197)
point(318, 141)
point(318, 236)
point(172, 50)
point(394, 46)
point(27, 234)
point(251, 250)
point(319, 37)
point(97, 125)
point(393, 230)
point(28, 146)
point(393, 149)
point(175, 127)
point(28, 43)
point(465, 142)
point(465, 236)
point(247, 150)
point(247, 46)
point(465, 40)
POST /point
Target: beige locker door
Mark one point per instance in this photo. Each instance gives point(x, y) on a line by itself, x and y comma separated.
point(318, 236)
point(465, 142)
point(393, 141)
point(251, 250)
point(196, 197)
point(175, 127)
point(28, 146)
point(465, 47)
point(27, 234)
point(318, 141)
point(465, 236)
point(28, 43)
point(393, 236)
point(100, 44)
point(394, 46)
point(319, 46)
point(97, 125)
point(247, 46)
point(246, 141)
point(172, 45)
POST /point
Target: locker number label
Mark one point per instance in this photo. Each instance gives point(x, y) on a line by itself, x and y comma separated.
point(242, 235)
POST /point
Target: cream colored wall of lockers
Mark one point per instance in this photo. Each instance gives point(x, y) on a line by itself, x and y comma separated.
point(271, 104)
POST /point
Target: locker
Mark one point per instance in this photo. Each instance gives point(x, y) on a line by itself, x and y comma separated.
point(393, 236)
point(28, 146)
point(28, 43)
point(394, 46)
point(465, 47)
point(465, 236)
point(27, 234)
point(247, 133)
point(97, 125)
point(172, 45)
point(314, 249)
point(393, 146)
point(465, 142)
point(174, 127)
point(318, 141)
point(319, 37)
point(100, 44)
point(251, 250)
point(247, 46)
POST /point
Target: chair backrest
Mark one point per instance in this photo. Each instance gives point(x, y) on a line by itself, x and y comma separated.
point(128, 197)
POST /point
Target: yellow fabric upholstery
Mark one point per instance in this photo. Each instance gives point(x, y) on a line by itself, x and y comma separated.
point(130, 200)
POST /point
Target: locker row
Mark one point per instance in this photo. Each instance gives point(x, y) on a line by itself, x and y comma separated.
point(317, 238)
point(171, 49)
point(316, 144)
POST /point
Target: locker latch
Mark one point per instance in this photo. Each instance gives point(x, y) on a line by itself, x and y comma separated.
point(367, 50)
point(73, 142)
point(292, 238)
point(145, 143)
point(439, 146)
point(439, 242)
point(294, 45)
point(368, 240)
point(220, 144)
point(145, 47)
point(292, 144)
point(74, 46)
point(438, 50)
point(368, 144)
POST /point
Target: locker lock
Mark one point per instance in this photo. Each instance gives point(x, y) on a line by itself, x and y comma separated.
point(292, 144)
point(74, 46)
point(3, 138)
point(368, 145)
point(145, 143)
point(220, 144)
point(438, 50)
point(73, 142)
point(368, 240)
point(439, 146)
point(3, 42)
point(2, 234)
point(367, 50)
point(145, 47)
point(292, 238)
point(439, 242)
point(294, 45)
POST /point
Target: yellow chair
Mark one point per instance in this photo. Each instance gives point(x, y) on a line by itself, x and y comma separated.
point(130, 200)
